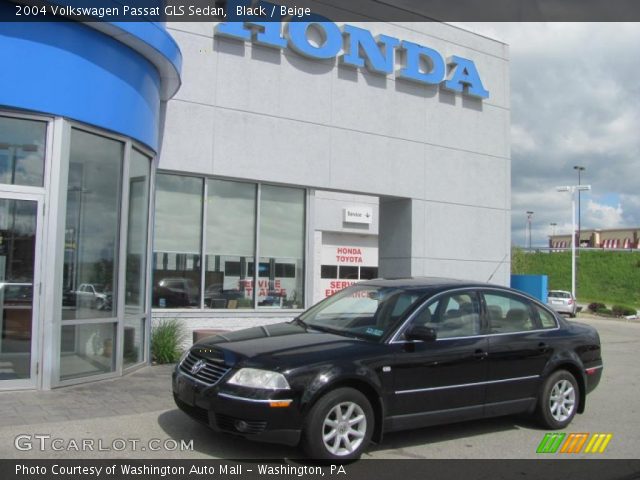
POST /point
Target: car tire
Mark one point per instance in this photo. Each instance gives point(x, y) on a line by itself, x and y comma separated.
point(339, 426)
point(558, 401)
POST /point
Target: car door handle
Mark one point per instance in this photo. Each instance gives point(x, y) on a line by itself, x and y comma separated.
point(542, 347)
point(480, 354)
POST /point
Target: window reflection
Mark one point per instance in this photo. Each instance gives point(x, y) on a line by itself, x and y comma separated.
point(87, 350)
point(230, 244)
point(135, 285)
point(22, 146)
point(281, 265)
point(17, 258)
point(92, 227)
point(176, 256)
point(133, 341)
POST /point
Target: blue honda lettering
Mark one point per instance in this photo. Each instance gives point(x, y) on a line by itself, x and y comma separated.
point(421, 64)
point(331, 39)
point(465, 78)
point(376, 60)
point(267, 33)
point(412, 69)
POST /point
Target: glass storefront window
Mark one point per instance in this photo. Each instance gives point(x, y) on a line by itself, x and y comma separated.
point(281, 265)
point(22, 146)
point(17, 258)
point(177, 242)
point(230, 244)
point(135, 285)
point(133, 350)
point(87, 350)
point(92, 227)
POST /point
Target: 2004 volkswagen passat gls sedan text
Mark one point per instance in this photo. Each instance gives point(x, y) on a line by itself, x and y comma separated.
point(387, 355)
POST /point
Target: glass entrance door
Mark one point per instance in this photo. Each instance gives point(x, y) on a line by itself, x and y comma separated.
point(19, 228)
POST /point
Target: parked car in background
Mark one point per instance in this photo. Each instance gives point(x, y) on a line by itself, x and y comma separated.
point(388, 355)
point(216, 297)
point(89, 295)
point(562, 302)
point(176, 292)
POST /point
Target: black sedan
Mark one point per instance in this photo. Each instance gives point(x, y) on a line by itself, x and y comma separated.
point(386, 355)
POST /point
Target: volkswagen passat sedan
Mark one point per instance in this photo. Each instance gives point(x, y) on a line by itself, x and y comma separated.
point(387, 355)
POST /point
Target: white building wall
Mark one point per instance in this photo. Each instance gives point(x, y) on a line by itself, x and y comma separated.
point(252, 112)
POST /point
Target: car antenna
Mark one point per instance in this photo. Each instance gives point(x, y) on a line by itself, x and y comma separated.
point(496, 270)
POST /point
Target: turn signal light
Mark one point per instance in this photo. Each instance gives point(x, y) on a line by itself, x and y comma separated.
point(279, 403)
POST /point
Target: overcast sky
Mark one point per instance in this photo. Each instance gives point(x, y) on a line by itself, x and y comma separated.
point(575, 100)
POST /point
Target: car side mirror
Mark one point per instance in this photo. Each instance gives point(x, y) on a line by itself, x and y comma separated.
point(419, 332)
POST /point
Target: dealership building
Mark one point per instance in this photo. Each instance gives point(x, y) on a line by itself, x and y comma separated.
point(232, 174)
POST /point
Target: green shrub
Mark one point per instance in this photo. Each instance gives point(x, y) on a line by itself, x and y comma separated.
point(604, 312)
point(623, 310)
point(595, 306)
point(166, 341)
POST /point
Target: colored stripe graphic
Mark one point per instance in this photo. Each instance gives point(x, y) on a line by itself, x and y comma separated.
point(574, 443)
point(598, 443)
point(550, 443)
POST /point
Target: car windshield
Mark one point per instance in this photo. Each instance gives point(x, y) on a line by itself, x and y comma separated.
point(559, 294)
point(362, 311)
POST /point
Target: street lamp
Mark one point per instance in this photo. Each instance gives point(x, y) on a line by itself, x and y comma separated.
point(573, 189)
point(529, 215)
point(580, 169)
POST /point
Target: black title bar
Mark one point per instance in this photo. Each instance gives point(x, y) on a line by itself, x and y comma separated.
point(318, 10)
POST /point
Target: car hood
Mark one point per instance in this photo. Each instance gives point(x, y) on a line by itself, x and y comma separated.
point(280, 346)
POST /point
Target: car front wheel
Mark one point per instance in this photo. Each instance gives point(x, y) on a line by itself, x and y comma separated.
point(339, 426)
point(558, 402)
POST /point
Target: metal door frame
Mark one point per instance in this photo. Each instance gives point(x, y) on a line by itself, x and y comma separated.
point(36, 318)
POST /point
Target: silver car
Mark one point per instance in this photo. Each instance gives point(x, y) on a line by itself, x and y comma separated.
point(562, 302)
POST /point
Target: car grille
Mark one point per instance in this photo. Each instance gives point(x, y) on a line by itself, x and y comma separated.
point(225, 422)
point(209, 374)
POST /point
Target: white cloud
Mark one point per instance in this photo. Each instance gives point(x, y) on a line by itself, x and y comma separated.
point(575, 101)
point(604, 216)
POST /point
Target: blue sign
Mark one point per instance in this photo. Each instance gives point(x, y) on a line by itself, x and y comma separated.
point(354, 46)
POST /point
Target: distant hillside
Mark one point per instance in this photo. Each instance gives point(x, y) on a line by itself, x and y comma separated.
point(603, 276)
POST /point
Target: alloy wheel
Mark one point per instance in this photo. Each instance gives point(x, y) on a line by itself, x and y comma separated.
point(562, 400)
point(344, 428)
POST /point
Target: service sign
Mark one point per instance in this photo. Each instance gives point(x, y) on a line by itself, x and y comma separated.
point(358, 215)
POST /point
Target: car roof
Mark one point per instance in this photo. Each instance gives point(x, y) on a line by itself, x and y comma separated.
point(425, 282)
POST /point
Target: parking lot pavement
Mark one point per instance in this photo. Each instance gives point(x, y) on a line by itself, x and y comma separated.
point(135, 409)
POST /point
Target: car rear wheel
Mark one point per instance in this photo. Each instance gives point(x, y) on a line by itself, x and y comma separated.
point(558, 402)
point(339, 426)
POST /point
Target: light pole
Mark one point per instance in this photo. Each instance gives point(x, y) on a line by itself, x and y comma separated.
point(573, 189)
point(529, 215)
point(553, 233)
point(580, 169)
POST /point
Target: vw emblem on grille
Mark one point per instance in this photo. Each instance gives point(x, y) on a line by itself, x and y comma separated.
point(199, 365)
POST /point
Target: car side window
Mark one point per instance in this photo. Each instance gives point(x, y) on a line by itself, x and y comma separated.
point(455, 315)
point(508, 314)
point(546, 319)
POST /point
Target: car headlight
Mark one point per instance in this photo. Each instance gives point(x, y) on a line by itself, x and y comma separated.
point(255, 378)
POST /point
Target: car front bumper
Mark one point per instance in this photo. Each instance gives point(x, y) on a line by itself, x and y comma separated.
point(238, 413)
